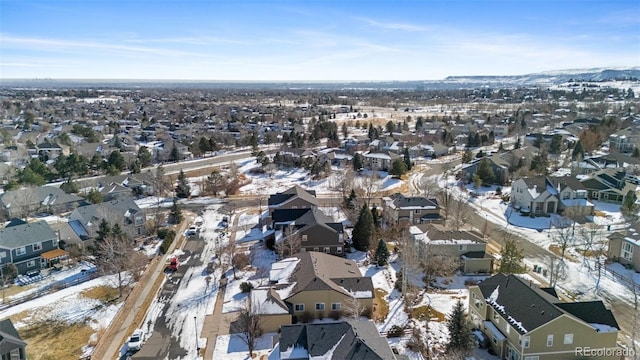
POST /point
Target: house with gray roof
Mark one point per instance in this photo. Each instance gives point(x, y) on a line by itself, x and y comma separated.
point(12, 347)
point(624, 246)
point(29, 246)
point(524, 321)
point(349, 339)
point(411, 209)
point(293, 198)
point(124, 212)
point(543, 195)
point(625, 140)
point(610, 185)
point(29, 201)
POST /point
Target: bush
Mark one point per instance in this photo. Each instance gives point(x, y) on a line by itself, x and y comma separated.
point(166, 243)
point(162, 233)
point(395, 331)
point(320, 315)
point(498, 190)
point(305, 317)
point(335, 314)
point(240, 260)
point(246, 287)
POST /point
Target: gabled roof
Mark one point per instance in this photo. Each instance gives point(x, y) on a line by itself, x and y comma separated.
point(400, 201)
point(26, 234)
point(320, 271)
point(340, 340)
point(591, 312)
point(96, 212)
point(294, 192)
point(527, 307)
point(45, 195)
point(9, 333)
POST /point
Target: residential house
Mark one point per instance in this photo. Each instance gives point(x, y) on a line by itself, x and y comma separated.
point(412, 209)
point(625, 140)
point(12, 347)
point(349, 339)
point(609, 185)
point(29, 201)
point(29, 246)
point(544, 195)
point(499, 167)
point(625, 247)
point(465, 246)
point(293, 198)
point(314, 230)
point(124, 212)
point(314, 284)
point(526, 322)
point(380, 161)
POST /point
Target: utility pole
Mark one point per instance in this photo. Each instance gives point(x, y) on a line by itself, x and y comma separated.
point(195, 323)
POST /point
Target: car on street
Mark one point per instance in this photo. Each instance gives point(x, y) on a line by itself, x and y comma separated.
point(135, 341)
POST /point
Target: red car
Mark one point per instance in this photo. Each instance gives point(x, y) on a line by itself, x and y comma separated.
point(173, 265)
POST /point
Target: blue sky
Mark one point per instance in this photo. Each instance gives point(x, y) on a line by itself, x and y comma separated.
point(312, 40)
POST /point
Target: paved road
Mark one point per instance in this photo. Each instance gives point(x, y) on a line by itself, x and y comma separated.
point(163, 344)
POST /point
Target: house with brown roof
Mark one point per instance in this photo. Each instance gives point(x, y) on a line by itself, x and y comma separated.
point(524, 321)
point(313, 284)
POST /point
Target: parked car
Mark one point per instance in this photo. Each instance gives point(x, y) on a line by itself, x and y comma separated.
point(173, 265)
point(192, 231)
point(135, 341)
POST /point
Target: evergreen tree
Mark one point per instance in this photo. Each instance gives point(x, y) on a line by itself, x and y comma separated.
point(144, 157)
point(578, 151)
point(556, 144)
point(407, 159)
point(518, 144)
point(345, 130)
point(117, 161)
point(175, 154)
point(376, 217)
point(636, 152)
point(358, 162)
point(382, 253)
point(398, 168)
point(510, 258)
point(538, 141)
point(183, 190)
point(485, 172)
point(467, 156)
point(103, 230)
point(500, 148)
point(363, 230)
point(460, 337)
point(419, 123)
point(629, 207)
point(175, 214)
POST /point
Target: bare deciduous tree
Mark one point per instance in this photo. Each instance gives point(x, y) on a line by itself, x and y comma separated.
point(115, 255)
point(289, 245)
point(353, 308)
point(557, 269)
point(459, 214)
point(564, 235)
point(249, 324)
point(368, 186)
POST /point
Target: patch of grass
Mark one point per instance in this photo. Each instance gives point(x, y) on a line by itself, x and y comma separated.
point(426, 312)
point(103, 293)
point(380, 305)
point(599, 213)
point(56, 340)
point(592, 253)
point(557, 249)
point(13, 290)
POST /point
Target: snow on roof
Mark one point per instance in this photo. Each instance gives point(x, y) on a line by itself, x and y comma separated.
point(282, 270)
point(494, 330)
point(263, 304)
point(534, 192)
point(493, 298)
point(452, 242)
point(295, 352)
point(329, 353)
point(603, 327)
point(361, 294)
point(414, 230)
point(517, 324)
point(577, 202)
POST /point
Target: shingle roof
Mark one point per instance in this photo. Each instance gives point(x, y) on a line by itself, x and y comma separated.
point(401, 201)
point(46, 195)
point(320, 271)
point(340, 340)
point(22, 235)
point(295, 191)
point(592, 312)
point(9, 332)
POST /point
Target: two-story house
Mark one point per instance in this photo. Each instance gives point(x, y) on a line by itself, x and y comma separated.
point(542, 195)
point(379, 161)
point(625, 140)
point(525, 322)
point(466, 246)
point(28, 246)
point(312, 228)
point(624, 247)
point(411, 209)
point(293, 198)
point(315, 284)
point(124, 212)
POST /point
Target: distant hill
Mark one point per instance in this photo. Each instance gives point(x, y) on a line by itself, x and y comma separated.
point(548, 78)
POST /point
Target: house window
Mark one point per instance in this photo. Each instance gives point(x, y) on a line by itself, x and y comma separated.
point(566, 196)
point(20, 251)
point(339, 250)
point(549, 340)
point(462, 247)
point(304, 237)
point(299, 307)
point(417, 211)
point(37, 247)
point(496, 317)
point(31, 263)
point(319, 306)
point(526, 340)
point(532, 357)
point(15, 354)
point(326, 250)
point(335, 306)
point(568, 339)
point(594, 194)
point(627, 251)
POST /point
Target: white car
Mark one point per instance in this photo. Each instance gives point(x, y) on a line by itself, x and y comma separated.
point(135, 341)
point(192, 231)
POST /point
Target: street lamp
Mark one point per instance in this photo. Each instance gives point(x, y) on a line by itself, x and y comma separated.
point(195, 323)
